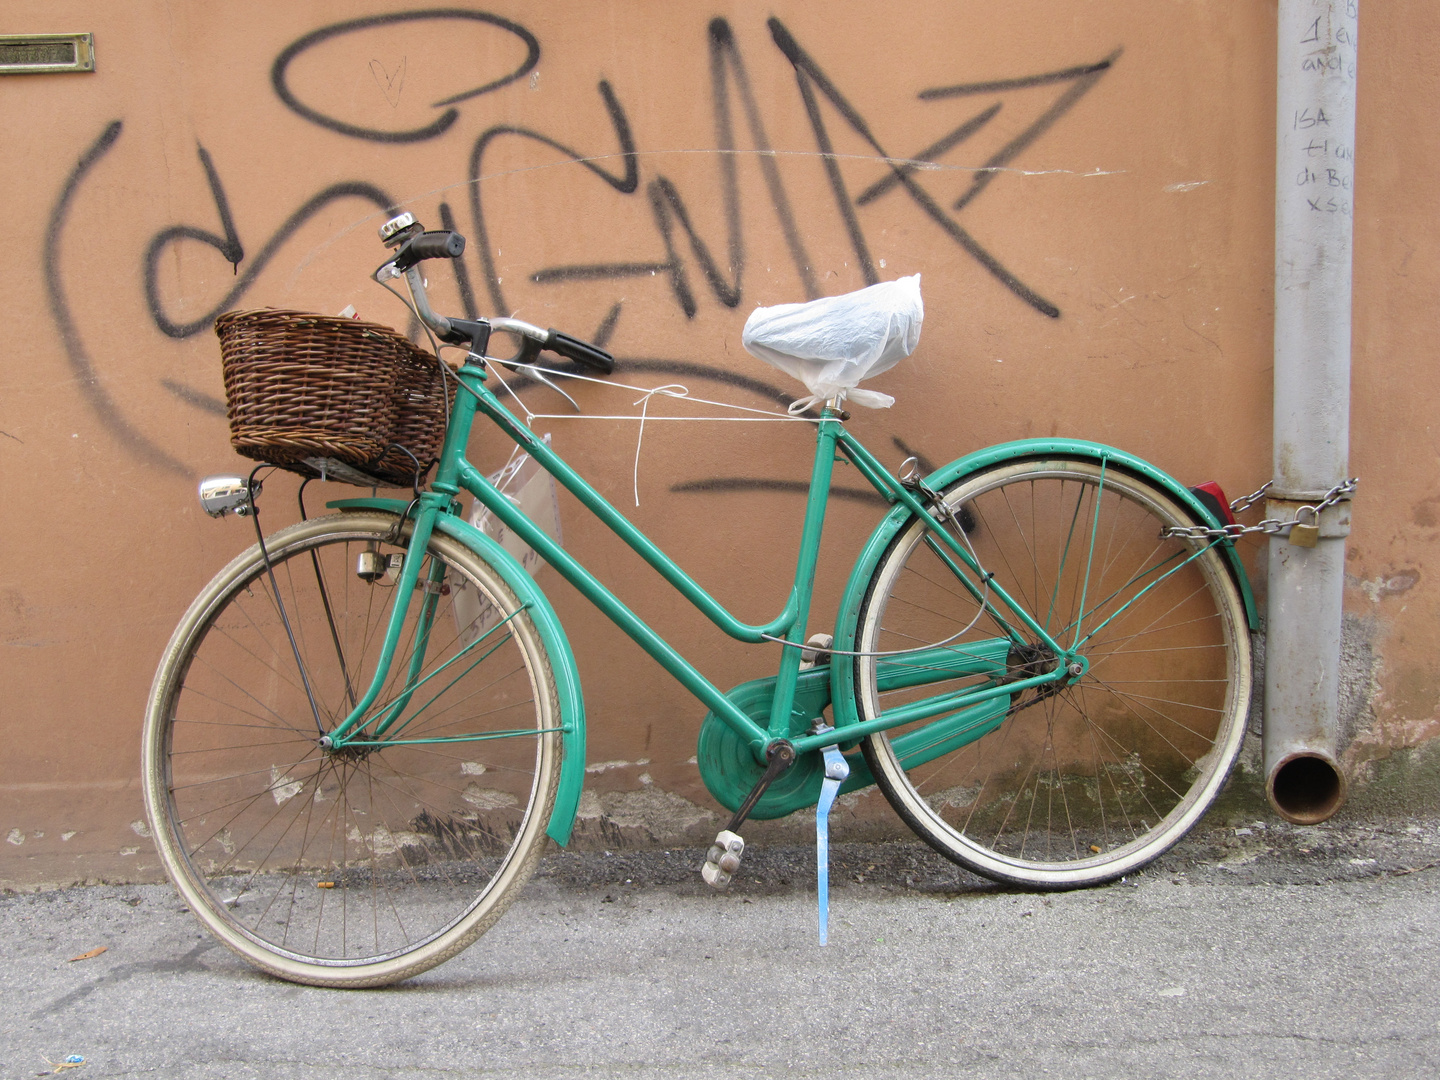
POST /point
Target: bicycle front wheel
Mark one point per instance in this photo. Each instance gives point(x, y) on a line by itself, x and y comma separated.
point(363, 865)
point(1060, 786)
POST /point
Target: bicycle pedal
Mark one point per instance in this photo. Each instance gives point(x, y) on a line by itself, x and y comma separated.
point(723, 859)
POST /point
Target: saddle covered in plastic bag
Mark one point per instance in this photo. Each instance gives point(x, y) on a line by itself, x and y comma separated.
point(833, 343)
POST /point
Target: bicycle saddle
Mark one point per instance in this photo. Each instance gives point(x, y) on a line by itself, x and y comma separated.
point(834, 343)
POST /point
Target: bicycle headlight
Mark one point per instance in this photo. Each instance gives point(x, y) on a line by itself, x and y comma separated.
point(220, 495)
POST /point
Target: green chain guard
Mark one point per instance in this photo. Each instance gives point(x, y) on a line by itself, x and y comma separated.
point(729, 768)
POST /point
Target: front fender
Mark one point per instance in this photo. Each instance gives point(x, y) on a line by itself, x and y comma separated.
point(842, 675)
point(562, 660)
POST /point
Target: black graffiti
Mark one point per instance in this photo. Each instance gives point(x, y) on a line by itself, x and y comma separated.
point(811, 77)
point(647, 365)
point(462, 275)
point(606, 329)
point(683, 250)
point(730, 80)
point(807, 76)
point(668, 210)
point(279, 70)
point(229, 246)
point(75, 351)
point(191, 396)
point(725, 57)
point(709, 373)
point(730, 485)
point(929, 154)
point(747, 485)
point(817, 90)
point(1082, 79)
point(625, 183)
point(668, 207)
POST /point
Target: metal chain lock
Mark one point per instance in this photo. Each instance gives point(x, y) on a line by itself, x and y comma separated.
point(1308, 529)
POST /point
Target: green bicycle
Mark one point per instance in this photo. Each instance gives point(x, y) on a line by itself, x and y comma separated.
point(366, 725)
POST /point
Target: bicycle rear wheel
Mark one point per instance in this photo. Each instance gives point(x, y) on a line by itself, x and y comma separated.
point(1065, 785)
point(365, 865)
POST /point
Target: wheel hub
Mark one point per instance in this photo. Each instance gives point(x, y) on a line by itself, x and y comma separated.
point(1026, 661)
point(357, 748)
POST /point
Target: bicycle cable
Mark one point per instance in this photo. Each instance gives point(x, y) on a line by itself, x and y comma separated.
point(445, 371)
point(762, 415)
point(674, 390)
point(985, 577)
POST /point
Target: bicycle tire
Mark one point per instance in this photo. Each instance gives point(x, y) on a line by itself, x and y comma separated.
point(1074, 785)
point(358, 867)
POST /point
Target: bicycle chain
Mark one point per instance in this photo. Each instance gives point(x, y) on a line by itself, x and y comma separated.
point(1270, 526)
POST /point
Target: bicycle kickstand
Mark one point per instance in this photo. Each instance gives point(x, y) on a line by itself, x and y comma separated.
point(837, 769)
point(723, 859)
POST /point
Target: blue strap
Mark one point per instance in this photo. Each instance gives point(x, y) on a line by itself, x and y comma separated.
point(836, 770)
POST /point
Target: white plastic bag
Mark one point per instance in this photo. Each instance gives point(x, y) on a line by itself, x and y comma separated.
point(833, 343)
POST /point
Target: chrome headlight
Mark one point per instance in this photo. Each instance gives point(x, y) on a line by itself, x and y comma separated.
point(221, 494)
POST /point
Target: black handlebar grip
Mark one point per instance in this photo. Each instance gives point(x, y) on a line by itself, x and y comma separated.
point(582, 352)
point(430, 245)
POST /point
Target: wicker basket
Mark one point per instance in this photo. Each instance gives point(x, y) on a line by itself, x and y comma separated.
point(306, 391)
point(421, 407)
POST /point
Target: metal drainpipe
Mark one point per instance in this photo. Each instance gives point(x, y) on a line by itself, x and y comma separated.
point(1314, 169)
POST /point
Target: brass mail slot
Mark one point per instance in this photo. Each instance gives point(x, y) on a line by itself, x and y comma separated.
point(46, 54)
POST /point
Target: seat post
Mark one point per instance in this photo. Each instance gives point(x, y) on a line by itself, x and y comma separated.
point(815, 503)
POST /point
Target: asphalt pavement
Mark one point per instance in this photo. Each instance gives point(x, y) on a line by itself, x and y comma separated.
point(1257, 951)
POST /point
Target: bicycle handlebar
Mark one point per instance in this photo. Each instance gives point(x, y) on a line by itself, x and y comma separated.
point(429, 245)
point(419, 246)
point(582, 352)
point(533, 339)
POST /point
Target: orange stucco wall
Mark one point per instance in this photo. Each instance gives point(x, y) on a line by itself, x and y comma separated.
point(1110, 279)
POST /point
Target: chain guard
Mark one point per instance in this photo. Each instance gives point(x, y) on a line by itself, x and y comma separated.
point(728, 767)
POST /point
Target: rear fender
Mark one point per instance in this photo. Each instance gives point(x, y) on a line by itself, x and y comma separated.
point(842, 674)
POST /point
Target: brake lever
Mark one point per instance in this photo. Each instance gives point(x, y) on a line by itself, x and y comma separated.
point(524, 360)
point(534, 373)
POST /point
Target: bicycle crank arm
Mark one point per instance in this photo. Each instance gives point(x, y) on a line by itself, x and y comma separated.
point(723, 859)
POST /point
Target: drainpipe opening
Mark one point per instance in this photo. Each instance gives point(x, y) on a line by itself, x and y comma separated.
point(1306, 788)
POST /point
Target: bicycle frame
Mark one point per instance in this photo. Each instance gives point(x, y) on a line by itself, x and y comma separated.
point(455, 474)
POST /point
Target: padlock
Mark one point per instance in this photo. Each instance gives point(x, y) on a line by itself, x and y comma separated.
point(1305, 535)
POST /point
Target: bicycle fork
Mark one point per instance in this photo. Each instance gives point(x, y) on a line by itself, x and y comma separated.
point(360, 725)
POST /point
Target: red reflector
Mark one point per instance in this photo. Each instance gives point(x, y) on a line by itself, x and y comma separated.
point(1217, 503)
